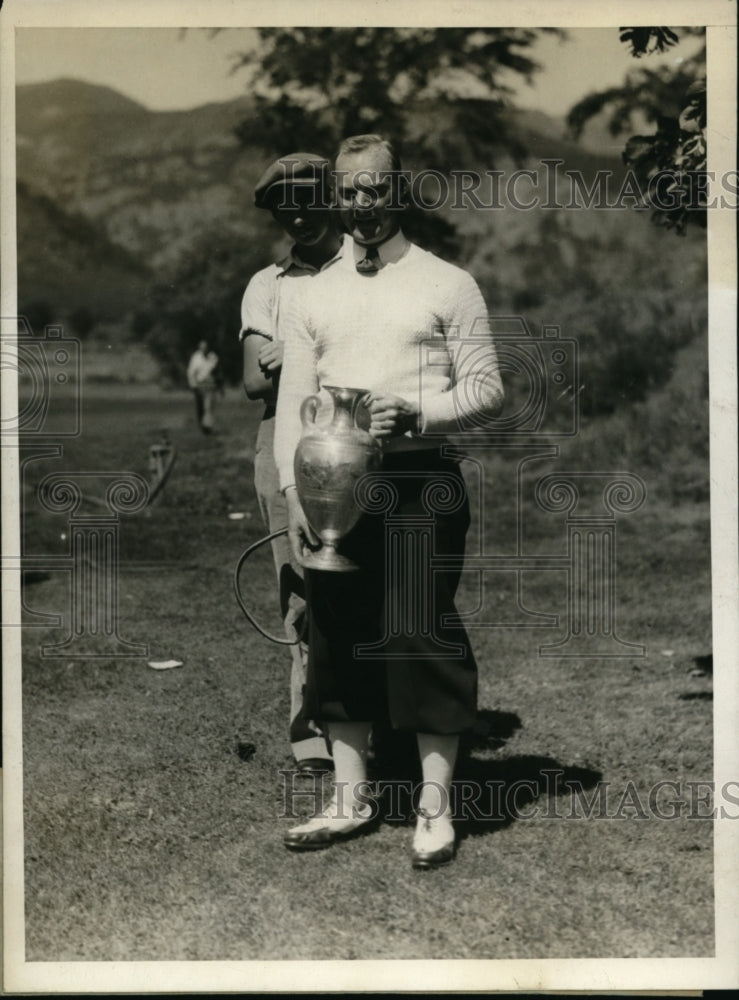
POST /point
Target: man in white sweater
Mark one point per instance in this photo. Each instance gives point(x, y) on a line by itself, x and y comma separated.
point(413, 330)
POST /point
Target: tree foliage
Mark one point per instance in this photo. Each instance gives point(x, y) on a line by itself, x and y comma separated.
point(673, 98)
point(315, 86)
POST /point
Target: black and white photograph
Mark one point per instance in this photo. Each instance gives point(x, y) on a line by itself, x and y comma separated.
point(370, 605)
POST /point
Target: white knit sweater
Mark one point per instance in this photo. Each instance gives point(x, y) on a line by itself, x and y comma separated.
point(418, 329)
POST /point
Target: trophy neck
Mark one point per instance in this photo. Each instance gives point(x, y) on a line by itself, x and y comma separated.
point(345, 401)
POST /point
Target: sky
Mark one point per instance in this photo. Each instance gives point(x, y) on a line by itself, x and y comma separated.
point(168, 68)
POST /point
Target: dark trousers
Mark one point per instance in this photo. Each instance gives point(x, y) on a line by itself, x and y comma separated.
point(422, 676)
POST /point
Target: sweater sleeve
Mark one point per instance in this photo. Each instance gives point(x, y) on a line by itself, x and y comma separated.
point(297, 380)
point(476, 390)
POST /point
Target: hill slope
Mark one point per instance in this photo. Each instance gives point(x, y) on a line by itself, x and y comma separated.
point(149, 179)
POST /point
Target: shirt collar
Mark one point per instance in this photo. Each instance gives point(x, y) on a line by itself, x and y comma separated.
point(292, 261)
point(389, 252)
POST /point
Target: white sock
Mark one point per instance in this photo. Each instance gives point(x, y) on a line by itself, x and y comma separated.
point(349, 743)
point(438, 755)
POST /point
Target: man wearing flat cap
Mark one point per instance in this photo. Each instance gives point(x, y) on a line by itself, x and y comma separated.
point(295, 190)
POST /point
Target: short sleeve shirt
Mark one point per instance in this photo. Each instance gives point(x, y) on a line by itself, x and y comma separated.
point(268, 294)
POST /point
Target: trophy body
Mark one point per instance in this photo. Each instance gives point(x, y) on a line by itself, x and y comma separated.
point(328, 463)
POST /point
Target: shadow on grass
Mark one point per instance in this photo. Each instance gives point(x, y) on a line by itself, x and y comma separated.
point(492, 794)
point(491, 730)
point(489, 795)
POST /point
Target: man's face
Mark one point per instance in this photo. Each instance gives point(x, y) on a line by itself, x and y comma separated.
point(297, 210)
point(364, 194)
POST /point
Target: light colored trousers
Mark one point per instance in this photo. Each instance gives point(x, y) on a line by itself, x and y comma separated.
point(305, 737)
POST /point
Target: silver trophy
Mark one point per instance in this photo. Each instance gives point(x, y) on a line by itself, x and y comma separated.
point(329, 461)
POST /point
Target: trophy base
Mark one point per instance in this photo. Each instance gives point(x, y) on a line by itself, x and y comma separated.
point(327, 558)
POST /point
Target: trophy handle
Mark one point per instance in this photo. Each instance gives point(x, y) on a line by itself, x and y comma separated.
point(308, 410)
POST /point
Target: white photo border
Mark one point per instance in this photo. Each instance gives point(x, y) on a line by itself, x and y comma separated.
point(591, 975)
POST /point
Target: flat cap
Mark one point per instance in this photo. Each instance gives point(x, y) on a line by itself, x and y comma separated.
point(304, 169)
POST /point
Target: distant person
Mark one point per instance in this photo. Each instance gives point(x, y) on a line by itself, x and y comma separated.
point(203, 377)
point(295, 190)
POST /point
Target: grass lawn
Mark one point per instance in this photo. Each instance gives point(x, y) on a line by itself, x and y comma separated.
point(151, 833)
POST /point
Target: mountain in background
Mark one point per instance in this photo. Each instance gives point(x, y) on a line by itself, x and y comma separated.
point(148, 179)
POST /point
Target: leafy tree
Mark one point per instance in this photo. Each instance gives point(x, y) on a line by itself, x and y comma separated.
point(674, 99)
point(445, 90)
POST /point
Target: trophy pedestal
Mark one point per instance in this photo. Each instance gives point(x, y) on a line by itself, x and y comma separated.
point(327, 558)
